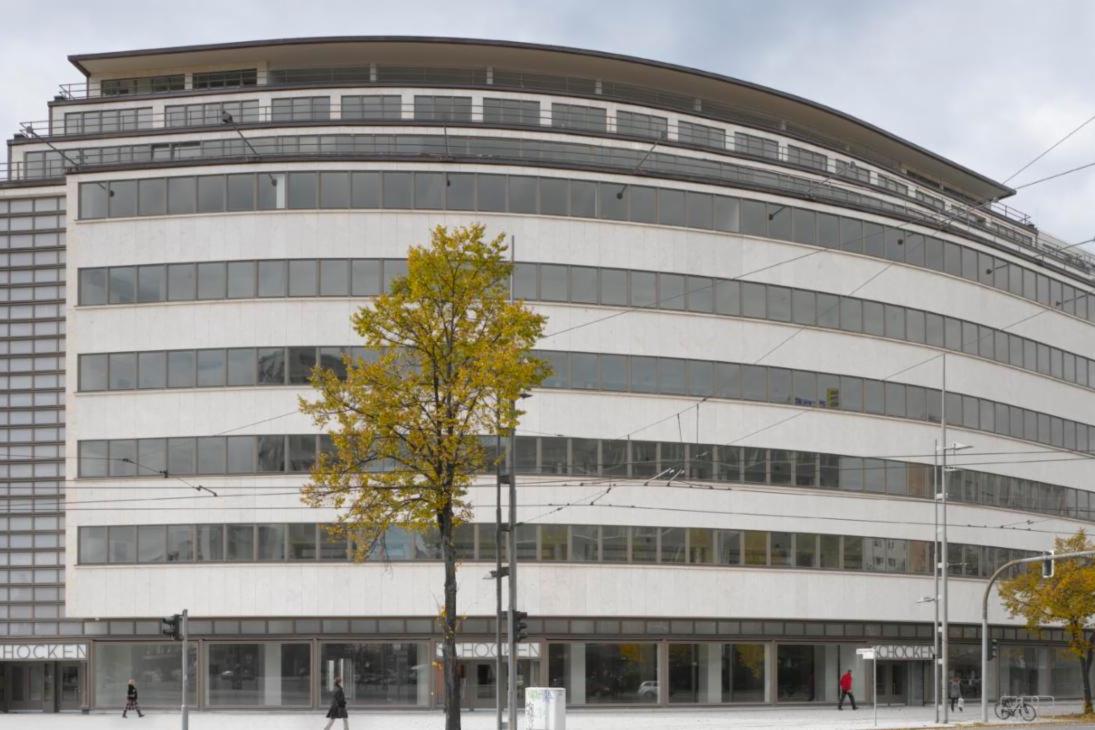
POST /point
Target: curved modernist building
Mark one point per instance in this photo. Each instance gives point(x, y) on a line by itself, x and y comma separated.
point(725, 489)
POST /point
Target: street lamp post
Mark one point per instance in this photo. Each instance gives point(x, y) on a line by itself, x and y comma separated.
point(935, 574)
point(985, 616)
point(942, 563)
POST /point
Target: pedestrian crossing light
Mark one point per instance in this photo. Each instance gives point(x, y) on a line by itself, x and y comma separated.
point(1047, 565)
point(172, 626)
point(520, 625)
point(994, 648)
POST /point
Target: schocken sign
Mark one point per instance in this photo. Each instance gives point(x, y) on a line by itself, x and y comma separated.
point(42, 652)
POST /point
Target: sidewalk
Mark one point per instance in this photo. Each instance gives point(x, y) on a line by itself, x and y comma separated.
point(809, 718)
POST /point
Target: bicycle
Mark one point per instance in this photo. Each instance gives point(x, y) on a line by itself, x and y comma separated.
point(1009, 705)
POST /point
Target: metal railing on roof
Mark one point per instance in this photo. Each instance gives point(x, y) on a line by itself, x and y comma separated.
point(486, 77)
point(381, 110)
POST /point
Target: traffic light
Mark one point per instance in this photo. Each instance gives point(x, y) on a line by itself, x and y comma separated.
point(994, 648)
point(520, 625)
point(1047, 564)
point(172, 626)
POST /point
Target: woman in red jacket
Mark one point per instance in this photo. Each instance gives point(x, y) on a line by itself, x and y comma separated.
point(846, 690)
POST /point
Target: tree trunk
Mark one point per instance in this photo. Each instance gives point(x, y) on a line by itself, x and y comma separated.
point(1085, 673)
point(448, 648)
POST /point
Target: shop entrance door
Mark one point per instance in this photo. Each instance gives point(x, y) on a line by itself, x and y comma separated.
point(26, 686)
point(893, 683)
point(69, 685)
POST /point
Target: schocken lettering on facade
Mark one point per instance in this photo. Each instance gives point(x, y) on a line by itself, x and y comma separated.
point(904, 652)
point(42, 652)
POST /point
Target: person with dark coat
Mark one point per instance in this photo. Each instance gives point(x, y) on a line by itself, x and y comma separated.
point(338, 707)
point(131, 699)
point(846, 690)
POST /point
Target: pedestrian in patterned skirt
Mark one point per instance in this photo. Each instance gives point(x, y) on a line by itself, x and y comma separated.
point(131, 699)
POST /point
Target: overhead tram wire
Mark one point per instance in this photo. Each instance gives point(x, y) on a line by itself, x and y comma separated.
point(1049, 149)
point(592, 479)
point(941, 224)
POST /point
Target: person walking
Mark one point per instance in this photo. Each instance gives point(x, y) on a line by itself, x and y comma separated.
point(954, 692)
point(338, 707)
point(131, 699)
point(846, 690)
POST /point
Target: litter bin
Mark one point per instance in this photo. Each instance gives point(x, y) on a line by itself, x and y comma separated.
point(545, 708)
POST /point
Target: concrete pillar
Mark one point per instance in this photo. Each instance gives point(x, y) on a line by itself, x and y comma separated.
point(576, 688)
point(770, 679)
point(829, 672)
point(711, 663)
point(424, 675)
point(271, 674)
point(662, 672)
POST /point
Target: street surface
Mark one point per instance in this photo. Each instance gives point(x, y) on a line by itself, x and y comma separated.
point(766, 718)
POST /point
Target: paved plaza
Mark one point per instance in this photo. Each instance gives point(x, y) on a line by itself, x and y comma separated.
point(813, 718)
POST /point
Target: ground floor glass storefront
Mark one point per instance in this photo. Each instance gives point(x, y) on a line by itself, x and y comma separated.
point(298, 671)
point(259, 675)
point(376, 673)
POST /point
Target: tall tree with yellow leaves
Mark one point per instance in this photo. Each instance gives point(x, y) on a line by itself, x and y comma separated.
point(450, 353)
point(1067, 598)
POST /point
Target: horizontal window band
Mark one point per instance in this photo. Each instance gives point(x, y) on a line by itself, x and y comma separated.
point(546, 543)
point(586, 285)
point(612, 201)
point(277, 366)
point(606, 460)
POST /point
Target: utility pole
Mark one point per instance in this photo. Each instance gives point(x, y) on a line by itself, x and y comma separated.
point(185, 628)
point(498, 580)
point(943, 557)
point(935, 575)
point(511, 678)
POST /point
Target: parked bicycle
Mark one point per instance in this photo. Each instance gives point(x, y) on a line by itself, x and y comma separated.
point(1009, 706)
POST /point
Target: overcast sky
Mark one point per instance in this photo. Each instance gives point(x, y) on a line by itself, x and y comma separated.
point(987, 83)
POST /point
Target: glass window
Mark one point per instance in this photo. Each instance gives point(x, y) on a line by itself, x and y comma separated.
point(212, 280)
point(302, 278)
point(181, 282)
point(398, 190)
point(334, 277)
point(144, 659)
point(334, 190)
point(303, 190)
point(123, 371)
point(212, 455)
point(93, 545)
point(365, 190)
point(301, 362)
point(248, 674)
point(211, 194)
point(123, 284)
point(240, 543)
point(241, 192)
point(93, 372)
point(123, 198)
point(241, 365)
point(271, 366)
point(182, 195)
point(621, 673)
point(271, 453)
point(151, 283)
point(93, 285)
point(272, 278)
point(152, 370)
point(212, 368)
point(429, 191)
point(241, 279)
